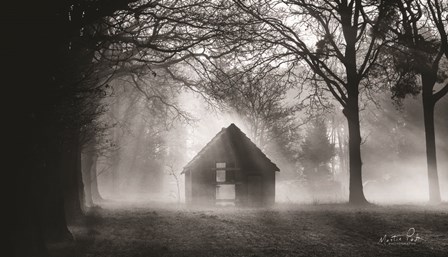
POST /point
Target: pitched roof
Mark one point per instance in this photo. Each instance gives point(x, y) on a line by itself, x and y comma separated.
point(243, 148)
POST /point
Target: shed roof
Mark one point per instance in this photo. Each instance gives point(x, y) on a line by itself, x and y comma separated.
point(243, 149)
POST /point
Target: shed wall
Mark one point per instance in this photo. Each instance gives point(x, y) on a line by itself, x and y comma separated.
point(201, 182)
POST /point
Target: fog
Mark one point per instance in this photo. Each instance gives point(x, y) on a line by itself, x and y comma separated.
point(147, 151)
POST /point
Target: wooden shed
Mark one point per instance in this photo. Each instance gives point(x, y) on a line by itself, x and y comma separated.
point(230, 170)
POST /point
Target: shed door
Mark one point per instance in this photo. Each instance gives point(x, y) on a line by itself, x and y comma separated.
point(254, 190)
point(225, 194)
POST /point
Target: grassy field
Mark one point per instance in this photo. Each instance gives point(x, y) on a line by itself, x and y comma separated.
point(120, 229)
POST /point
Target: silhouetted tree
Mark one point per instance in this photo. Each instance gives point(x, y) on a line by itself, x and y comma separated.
point(259, 98)
point(76, 47)
point(317, 152)
point(333, 40)
point(48, 124)
point(420, 48)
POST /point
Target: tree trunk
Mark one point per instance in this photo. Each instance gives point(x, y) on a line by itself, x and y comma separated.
point(87, 162)
point(72, 177)
point(96, 196)
point(342, 153)
point(351, 109)
point(137, 146)
point(26, 229)
point(55, 223)
point(343, 158)
point(27, 233)
point(178, 188)
point(356, 194)
point(428, 116)
point(116, 152)
point(115, 173)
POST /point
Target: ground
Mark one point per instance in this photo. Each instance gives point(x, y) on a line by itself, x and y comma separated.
point(144, 229)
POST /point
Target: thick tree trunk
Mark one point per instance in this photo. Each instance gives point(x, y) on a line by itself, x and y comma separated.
point(39, 203)
point(356, 194)
point(72, 176)
point(428, 115)
point(351, 109)
point(39, 199)
point(55, 224)
point(27, 233)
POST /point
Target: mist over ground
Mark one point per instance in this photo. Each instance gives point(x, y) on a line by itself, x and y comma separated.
point(394, 157)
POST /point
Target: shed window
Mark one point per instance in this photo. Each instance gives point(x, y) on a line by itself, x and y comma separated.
point(220, 176)
point(220, 165)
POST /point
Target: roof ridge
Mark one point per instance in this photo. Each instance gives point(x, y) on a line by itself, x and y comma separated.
point(245, 137)
point(203, 148)
point(230, 128)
